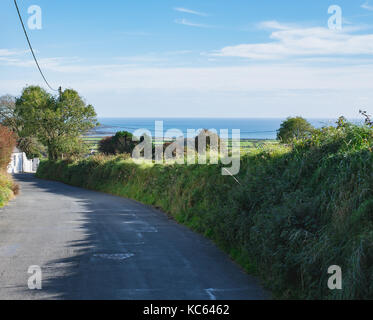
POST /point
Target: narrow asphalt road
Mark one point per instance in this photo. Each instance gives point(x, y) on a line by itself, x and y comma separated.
point(91, 245)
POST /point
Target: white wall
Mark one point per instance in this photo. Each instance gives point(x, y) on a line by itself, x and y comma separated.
point(19, 163)
point(16, 163)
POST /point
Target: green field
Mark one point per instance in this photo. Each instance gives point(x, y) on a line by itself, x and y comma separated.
point(246, 144)
point(92, 142)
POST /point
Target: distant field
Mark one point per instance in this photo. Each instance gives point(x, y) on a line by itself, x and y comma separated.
point(246, 144)
point(92, 142)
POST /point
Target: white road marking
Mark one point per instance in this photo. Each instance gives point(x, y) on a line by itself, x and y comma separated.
point(210, 293)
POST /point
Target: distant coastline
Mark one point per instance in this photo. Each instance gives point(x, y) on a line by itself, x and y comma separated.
point(251, 128)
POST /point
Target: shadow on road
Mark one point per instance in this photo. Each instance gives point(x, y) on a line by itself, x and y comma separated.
point(115, 248)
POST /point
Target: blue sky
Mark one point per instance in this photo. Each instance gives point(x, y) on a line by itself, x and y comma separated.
point(197, 58)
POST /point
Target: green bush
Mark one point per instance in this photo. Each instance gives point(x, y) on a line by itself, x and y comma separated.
point(296, 211)
point(7, 189)
point(122, 142)
point(294, 128)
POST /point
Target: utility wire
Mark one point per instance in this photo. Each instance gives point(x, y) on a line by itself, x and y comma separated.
point(32, 51)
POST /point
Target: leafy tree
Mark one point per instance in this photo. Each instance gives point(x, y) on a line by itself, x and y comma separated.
point(209, 139)
point(31, 146)
point(7, 115)
point(27, 143)
point(57, 122)
point(7, 143)
point(105, 145)
point(294, 128)
point(122, 142)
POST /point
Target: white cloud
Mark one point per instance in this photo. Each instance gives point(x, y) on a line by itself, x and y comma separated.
point(261, 90)
point(12, 53)
point(232, 79)
point(297, 75)
point(271, 89)
point(192, 24)
point(185, 10)
point(58, 64)
point(299, 42)
point(273, 24)
point(258, 90)
point(367, 6)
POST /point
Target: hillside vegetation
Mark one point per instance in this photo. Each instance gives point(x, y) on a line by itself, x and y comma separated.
point(7, 187)
point(296, 210)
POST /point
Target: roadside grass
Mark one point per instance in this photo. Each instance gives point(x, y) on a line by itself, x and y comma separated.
point(296, 211)
point(8, 189)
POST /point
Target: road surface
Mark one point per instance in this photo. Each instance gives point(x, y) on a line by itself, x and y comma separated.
point(91, 245)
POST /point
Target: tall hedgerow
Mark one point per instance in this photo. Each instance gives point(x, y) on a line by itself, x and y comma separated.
point(295, 210)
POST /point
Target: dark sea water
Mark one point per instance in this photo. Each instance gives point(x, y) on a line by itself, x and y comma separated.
point(250, 128)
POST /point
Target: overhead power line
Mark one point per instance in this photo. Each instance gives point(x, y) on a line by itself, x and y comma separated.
point(29, 43)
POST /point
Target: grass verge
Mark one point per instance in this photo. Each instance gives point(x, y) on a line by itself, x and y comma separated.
point(8, 189)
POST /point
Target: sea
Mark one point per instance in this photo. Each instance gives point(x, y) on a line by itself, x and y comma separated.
point(250, 128)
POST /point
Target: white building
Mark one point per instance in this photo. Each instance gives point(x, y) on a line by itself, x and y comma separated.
point(20, 164)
